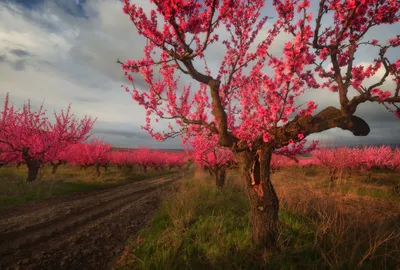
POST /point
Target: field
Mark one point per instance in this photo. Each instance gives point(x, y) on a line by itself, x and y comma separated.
point(348, 224)
point(78, 220)
point(172, 219)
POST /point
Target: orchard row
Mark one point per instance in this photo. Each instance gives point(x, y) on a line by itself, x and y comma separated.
point(338, 161)
point(345, 158)
point(27, 136)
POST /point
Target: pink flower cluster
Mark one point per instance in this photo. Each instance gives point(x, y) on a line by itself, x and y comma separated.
point(381, 94)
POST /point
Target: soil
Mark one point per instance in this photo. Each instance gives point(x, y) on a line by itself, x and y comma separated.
point(86, 231)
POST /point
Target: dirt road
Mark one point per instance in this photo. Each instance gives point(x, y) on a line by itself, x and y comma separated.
point(84, 232)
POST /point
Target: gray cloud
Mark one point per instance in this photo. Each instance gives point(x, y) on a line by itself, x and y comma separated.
point(125, 133)
point(125, 138)
point(19, 52)
point(87, 100)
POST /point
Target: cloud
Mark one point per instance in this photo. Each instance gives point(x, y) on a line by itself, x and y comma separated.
point(67, 51)
point(72, 59)
point(19, 52)
point(125, 133)
point(3, 58)
point(87, 99)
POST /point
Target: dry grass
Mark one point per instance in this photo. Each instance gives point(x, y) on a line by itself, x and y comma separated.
point(350, 229)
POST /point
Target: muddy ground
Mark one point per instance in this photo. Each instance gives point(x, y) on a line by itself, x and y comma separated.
point(85, 231)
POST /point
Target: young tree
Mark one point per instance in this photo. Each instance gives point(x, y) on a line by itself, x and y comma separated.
point(208, 155)
point(371, 158)
point(96, 153)
point(243, 103)
point(30, 136)
point(175, 160)
point(59, 157)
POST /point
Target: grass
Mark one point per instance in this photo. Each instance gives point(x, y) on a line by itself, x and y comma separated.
point(321, 227)
point(68, 179)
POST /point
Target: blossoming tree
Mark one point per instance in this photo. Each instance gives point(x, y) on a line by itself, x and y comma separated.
point(206, 153)
point(29, 136)
point(249, 101)
point(95, 153)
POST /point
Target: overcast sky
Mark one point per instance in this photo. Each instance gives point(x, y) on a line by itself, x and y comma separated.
point(64, 51)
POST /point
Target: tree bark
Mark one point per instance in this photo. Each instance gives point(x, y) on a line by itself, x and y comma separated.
point(264, 203)
point(33, 170)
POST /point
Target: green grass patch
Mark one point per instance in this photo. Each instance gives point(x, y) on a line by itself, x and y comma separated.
point(200, 228)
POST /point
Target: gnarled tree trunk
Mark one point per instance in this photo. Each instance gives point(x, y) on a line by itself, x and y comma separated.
point(264, 204)
point(33, 165)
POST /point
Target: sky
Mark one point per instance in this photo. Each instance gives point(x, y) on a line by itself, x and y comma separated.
point(63, 52)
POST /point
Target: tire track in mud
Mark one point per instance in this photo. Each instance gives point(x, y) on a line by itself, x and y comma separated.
point(84, 233)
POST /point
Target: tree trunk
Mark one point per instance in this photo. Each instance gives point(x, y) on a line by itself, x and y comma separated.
point(55, 166)
point(369, 176)
point(220, 175)
point(33, 170)
point(332, 175)
point(54, 170)
point(130, 168)
point(97, 166)
point(264, 203)
point(209, 171)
